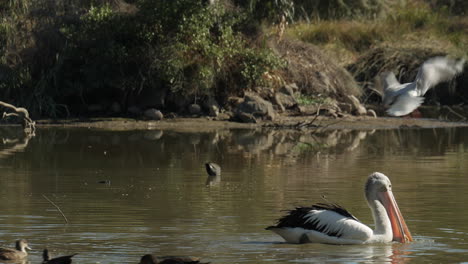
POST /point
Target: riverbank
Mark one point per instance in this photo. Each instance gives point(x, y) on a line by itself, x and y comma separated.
point(200, 57)
point(200, 124)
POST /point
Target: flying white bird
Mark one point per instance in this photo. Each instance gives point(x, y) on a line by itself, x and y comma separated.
point(402, 99)
point(332, 224)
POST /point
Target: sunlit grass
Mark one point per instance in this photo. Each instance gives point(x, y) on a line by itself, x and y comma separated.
point(414, 25)
point(312, 99)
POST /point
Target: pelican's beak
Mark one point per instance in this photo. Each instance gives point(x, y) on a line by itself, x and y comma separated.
point(400, 230)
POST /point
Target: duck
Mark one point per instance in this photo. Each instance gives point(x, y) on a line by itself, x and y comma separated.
point(332, 224)
point(18, 253)
point(58, 260)
point(151, 259)
point(403, 99)
point(214, 174)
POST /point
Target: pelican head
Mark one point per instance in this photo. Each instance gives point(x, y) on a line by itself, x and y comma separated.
point(387, 215)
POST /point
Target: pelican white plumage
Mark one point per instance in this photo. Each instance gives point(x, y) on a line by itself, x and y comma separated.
point(402, 99)
point(332, 224)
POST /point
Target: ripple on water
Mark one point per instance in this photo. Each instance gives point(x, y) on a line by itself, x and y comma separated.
point(158, 201)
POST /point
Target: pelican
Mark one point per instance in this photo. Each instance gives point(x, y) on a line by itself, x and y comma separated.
point(402, 99)
point(332, 224)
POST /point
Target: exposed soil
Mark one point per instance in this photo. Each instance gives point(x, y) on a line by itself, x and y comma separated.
point(200, 124)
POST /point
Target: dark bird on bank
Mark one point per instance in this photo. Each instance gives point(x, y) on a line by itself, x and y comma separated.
point(214, 173)
point(18, 253)
point(150, 259)
point(57, 260)
point(402, 99)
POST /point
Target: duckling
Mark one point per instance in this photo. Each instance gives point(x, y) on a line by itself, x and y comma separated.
point(57, 260)
point(150, 259)
point(18, 253)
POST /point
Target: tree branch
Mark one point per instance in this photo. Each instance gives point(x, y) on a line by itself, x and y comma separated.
point(29, 126)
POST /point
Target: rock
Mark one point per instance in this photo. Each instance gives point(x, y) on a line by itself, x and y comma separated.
point(289, 89)
point(153, 114)
point(115, 108)
point(357, 106)
point(256, 106)
point(134, 110)
point(152, 97)
point(371, 112)
point(95, 108)
point(309, 109)
point(345, 107)
point(285, 100)
point(264, 92)
point(194, 109)
point(277, 101)
point(246, 117)
point(178, 102)
point(332, 112)
point(171, 115)
point(212, 106)
point(153, 135)
point(225, 116)
point(234, 101)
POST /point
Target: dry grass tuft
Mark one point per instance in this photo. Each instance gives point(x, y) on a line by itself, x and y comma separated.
point(314, 72)
point(402, 61)
point(405, 62)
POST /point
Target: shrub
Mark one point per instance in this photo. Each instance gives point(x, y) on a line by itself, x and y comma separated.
point(183, 48)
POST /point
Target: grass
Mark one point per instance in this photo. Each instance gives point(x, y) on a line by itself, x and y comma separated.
point(312, 99)
point(414, 25)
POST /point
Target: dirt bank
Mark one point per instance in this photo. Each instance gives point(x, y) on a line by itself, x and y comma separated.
point(298, 122)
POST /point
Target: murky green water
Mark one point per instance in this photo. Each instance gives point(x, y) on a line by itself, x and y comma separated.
point(155, 198)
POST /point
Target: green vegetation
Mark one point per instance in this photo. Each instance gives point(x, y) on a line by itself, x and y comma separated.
point(312, 99)
point(100, 54)
point(58, 59)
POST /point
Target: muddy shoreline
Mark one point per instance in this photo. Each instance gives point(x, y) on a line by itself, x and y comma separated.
point(287, 122)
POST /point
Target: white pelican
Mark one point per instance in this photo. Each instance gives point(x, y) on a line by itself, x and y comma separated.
point(402, 99)
point(332, 224)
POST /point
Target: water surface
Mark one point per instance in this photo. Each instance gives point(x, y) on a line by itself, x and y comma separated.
point(126, 194)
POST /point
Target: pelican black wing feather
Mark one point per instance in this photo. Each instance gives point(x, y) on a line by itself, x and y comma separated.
point(336, 208)
point(299, 217)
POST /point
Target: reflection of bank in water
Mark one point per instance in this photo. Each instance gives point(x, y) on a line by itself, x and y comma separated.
point(214, 174)
point(13, 142)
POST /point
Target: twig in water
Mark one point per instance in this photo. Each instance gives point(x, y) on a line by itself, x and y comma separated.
point(58, 208)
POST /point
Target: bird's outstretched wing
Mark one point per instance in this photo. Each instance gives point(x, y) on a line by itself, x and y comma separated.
point(388, 80)
point(404, 104)
point(436, 70)
point(389, 86)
